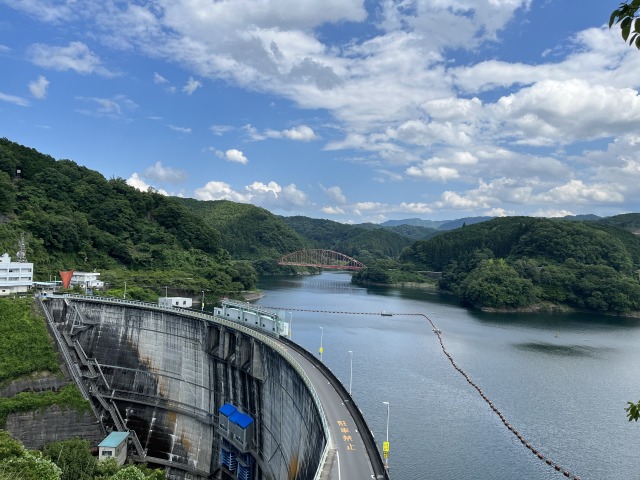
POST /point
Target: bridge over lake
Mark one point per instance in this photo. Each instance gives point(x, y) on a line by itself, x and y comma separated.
point(321, 259)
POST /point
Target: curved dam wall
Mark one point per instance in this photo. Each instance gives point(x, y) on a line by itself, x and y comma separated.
point(167, 373)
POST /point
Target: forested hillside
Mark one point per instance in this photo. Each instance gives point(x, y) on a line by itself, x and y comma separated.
point(413, 232)
point(627, 221)
point(516, 262)
point(364, 243)
point(249, 232)
point(73, 218)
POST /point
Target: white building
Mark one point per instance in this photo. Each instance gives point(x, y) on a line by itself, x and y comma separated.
point(253, 316)
point(114, 445)
point(86, 280)
point(184, 302)
point(15, 277)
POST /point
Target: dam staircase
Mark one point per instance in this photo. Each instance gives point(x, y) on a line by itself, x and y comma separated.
point(91, 371)
point(87, 371)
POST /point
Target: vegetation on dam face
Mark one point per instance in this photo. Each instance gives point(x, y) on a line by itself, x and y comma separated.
point(26, 352)
point(25, 346)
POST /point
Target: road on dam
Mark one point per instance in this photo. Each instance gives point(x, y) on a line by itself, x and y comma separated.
point(348, 458)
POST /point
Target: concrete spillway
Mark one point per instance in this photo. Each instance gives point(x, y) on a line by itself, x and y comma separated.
point(164, 374)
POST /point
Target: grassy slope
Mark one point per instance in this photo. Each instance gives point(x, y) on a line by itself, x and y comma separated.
point(25, 349)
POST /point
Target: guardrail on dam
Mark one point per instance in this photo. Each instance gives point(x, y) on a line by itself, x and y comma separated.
point(163, 374)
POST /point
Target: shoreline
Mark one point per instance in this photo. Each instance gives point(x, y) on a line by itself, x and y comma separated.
point(536, 308)
point(252, 296)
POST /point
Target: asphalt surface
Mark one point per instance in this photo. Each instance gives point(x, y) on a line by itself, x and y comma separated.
point(347, 458)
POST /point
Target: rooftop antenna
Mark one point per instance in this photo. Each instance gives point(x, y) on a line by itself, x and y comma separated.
point(22, 250)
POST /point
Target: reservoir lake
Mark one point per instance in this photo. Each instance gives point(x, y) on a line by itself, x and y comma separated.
point(561, 380)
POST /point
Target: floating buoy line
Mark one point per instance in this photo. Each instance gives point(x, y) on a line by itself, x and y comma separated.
point(558, 468)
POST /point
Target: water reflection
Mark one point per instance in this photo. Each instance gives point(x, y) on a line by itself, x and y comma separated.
point(560, 350)
point(558, 321)
point(562, 379)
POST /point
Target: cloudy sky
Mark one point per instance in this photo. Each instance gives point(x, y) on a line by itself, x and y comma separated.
point(350, 110)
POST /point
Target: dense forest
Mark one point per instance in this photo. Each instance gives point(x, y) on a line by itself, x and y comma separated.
point(74, 218)
point(249, 233)
point(255, 234)
point(364, 242)
point(519, 262)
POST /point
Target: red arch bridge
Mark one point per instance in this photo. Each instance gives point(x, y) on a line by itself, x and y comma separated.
point(321, 259)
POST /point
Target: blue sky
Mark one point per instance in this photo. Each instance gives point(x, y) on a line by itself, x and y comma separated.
point(340, 109)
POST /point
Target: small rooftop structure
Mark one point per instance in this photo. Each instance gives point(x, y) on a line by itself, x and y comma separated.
point(114, 445)
point(184, 302)
point(87, 280)
point(225, 412)
point(236, 426)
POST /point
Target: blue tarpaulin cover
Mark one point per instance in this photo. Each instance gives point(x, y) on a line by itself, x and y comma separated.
point(227, 409)
point(241, 419)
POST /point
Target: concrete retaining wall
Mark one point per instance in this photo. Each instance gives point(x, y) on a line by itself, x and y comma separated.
point(38, 428)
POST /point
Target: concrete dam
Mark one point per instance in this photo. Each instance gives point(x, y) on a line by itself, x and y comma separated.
point(165, 375)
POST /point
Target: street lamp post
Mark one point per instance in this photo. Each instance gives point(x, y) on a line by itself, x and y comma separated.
point(350, 370)
point(290, 325)
point(385, 446)
point(124, 294)
point(321, 335)
point(202, 309)
point(165, 292)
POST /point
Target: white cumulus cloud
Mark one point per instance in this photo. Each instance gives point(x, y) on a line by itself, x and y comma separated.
point(233, 155)
point(136, 181)
point(163, 174)
point(38, 88)
point(300, 133)
point(191, 86)
point(269, 195)
point(76, 56)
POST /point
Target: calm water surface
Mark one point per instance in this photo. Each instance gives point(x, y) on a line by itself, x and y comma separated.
point(561, 380)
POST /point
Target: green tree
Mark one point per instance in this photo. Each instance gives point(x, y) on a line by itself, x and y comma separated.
point(7, 194)
point(73, 457)
point(496, 284)
point(30, 466)
point(129, 473)
point(633, 411)
point(625, 16)
point(9, 447)
point(107, 468)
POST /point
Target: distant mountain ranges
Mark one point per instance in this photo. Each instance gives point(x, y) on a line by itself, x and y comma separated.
point(453, 224)
point(73, 217)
